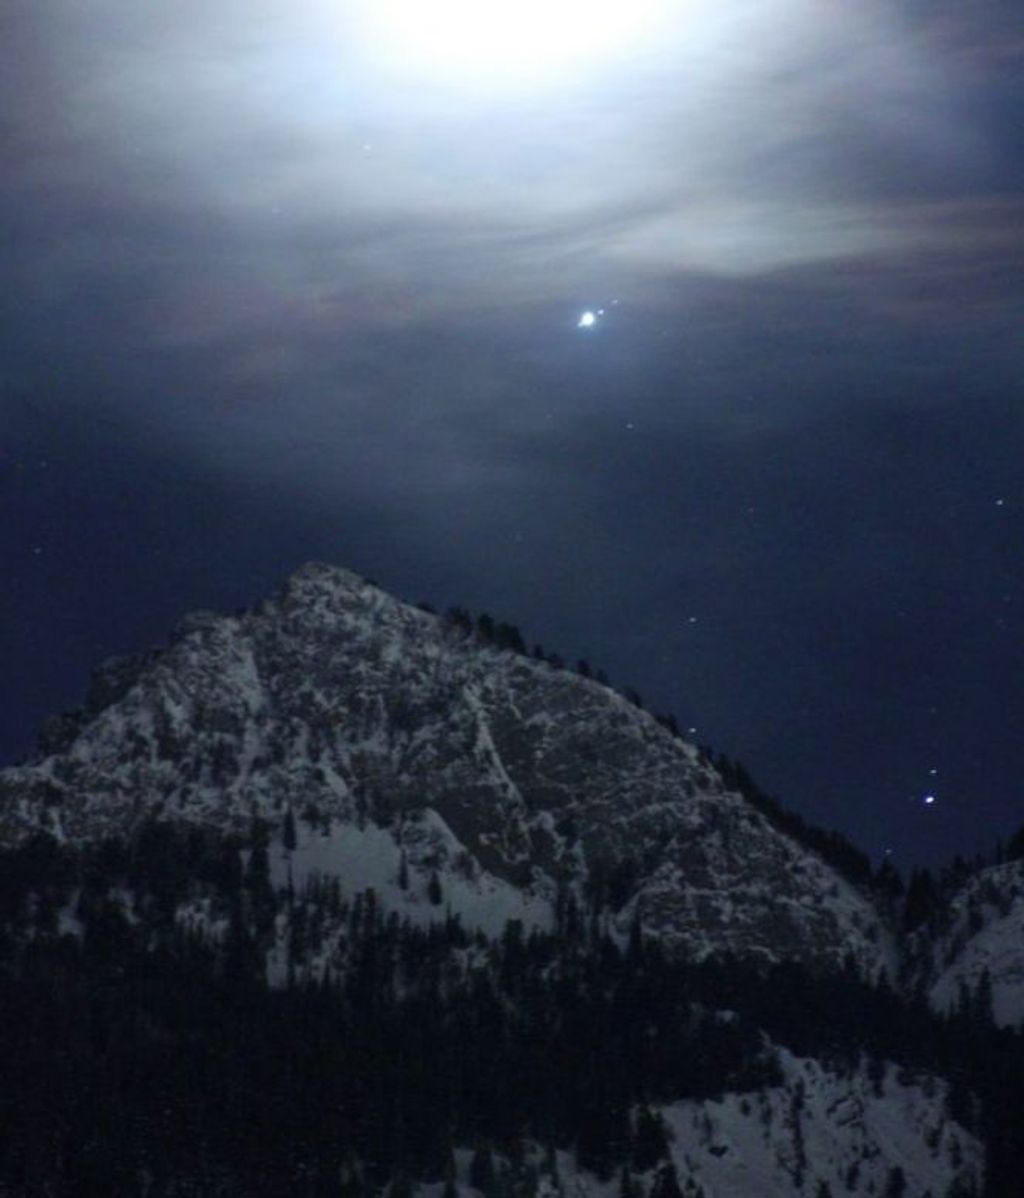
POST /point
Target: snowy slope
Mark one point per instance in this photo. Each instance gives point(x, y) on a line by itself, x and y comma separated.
point(816, 1134)
point(508, 778)
point(819, 1128)
point(983, 934)
point(370, 858)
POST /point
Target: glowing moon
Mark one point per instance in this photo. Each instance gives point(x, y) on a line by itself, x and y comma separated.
point(586, 321)
point(483, 43)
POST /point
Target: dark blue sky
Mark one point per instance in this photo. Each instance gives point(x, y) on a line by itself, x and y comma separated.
point(271, 294)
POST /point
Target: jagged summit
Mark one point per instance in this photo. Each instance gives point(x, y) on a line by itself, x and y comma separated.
point(495, 772)
point(319, 574)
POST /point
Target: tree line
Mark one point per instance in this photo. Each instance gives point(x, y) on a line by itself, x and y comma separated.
point(143, 1053)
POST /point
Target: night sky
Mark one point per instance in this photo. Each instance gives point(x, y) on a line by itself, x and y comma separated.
point(291, 279)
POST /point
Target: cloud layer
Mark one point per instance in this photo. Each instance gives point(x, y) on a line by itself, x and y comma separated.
point(268, 297)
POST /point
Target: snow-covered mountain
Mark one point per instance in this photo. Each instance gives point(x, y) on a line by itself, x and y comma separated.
point(393, 729)
point(342, 799)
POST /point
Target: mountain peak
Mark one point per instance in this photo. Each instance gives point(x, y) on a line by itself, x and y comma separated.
point(483, 766)
point(315, 578)
point(330, 792)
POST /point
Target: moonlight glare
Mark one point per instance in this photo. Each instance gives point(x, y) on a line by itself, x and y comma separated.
point(499, 47)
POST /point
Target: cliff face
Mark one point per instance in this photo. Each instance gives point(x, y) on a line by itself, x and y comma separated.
point(492, 770)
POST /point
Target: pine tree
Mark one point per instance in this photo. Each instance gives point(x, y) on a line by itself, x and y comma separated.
point(602, 1140)
point(627, 1186)
point(896, 1184)
point(459, 619)
point(921, 902)
point(551, 1167)
point(888, 880)
point(288, 832)
point(481, 1170)
point(257, 871)
point(876, 1071)
point(1015, 846)
point(635, 944)
point(666, 1183)
point(650, 1140)
point(400, 1187)
point(981, 1005)
point(450, 1190)
point(509, 637)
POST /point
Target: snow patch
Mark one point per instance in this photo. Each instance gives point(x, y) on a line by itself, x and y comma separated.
point(370, 858)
